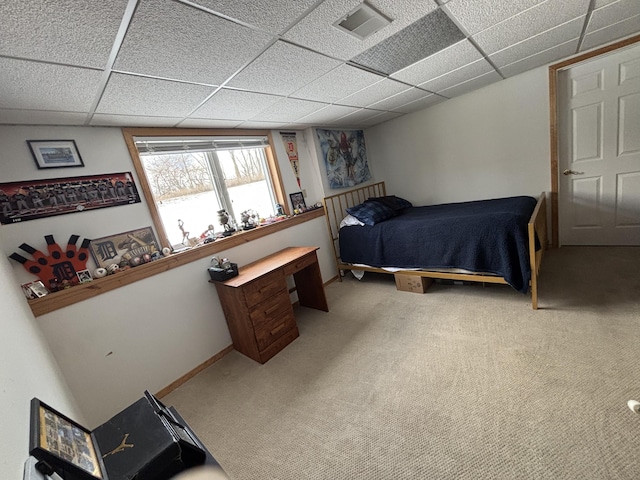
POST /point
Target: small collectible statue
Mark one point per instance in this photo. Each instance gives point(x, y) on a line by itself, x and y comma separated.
point(185, 235)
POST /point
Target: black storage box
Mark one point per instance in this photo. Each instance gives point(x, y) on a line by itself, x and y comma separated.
point(146, 442)
point(220, 274)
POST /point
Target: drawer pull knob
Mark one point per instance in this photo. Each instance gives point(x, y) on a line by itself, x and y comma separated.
point(277, 329)
point(269, 311)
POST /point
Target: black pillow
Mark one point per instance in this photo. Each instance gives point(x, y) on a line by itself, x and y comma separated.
point(391, 201)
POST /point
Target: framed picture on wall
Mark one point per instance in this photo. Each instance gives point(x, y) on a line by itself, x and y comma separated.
point(67, 447)
point(55, 153)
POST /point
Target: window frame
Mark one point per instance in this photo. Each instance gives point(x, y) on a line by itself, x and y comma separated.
point(129, 137)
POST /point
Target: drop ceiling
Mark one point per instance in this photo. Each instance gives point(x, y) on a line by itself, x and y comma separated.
point(275, 63)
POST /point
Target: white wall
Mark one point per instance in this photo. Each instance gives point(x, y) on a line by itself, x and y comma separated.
point(492, 142)
point(27, 370)
point(145, 335)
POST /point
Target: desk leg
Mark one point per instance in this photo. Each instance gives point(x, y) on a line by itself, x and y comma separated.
point(310, 289)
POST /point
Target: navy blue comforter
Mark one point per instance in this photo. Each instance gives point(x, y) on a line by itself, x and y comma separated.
point(481, 236)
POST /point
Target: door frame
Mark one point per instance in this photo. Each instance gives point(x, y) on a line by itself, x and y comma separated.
point(554, 70)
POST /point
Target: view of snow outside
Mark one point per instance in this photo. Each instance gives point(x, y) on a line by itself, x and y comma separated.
point(182, 184)
point(200, 210)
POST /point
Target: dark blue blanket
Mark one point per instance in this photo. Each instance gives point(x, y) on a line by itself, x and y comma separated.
point(482, 236)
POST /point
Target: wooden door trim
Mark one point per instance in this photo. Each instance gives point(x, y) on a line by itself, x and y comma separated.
point(553, 122)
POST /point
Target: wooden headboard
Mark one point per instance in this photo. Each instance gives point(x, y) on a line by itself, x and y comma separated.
point(335, 208)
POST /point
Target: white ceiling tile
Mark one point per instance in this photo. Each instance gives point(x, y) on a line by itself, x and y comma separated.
point(613, 13)
point(381, 118)
point(614, 32)
point(529, 23)
point(542, 58)
point(396, 101)
point(337, 83)
point(74, 32)
point(316, 30)
point(468, 72)
point(132, 121)
point(539, 43)
point(473, 84)
point(477, 15)
point(455, 56)
point(235, 105)
point(208, 123)
point(271, 15)
point(41, 86)
point(374, 93)
point(283, 69)
point(142, 96)
point(40, 117)
point(173, 40)
point(421, 104)
point(430, 34)
point(327, 114)
point(602, 3)
point(287, 110)
point(357, 118)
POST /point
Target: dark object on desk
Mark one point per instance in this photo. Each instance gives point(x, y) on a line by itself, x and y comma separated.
point(146, 441)
point(221, 274)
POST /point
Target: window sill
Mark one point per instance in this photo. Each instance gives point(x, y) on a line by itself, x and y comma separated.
point(56, 300)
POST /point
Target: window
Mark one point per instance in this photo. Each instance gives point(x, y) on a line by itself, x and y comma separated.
point(192, 180)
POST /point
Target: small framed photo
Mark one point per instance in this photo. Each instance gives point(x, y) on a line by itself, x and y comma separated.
point(34, 289)
point(55, 153)
point(297, 201)
point(84, 276)
point(69, 448)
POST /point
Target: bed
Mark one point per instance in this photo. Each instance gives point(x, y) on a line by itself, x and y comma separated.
point(492, 241)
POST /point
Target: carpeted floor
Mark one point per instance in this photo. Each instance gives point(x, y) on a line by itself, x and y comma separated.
point(463, 382)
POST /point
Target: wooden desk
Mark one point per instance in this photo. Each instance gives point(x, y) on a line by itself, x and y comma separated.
point(256, 303)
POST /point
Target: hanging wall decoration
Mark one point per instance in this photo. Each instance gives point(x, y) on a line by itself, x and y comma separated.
point(57, 264)
point(291, 146)
point(345, 157)
point(32, 199)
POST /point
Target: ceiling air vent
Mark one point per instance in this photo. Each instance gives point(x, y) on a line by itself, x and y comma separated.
point(362, 21)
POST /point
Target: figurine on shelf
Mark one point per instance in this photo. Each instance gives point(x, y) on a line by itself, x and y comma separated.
point(185, 235)
point(249, 219)
point(225, 220)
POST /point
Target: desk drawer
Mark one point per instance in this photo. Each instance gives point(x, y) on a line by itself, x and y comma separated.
point(275, 328)
point(274, 307)
point(264, 287)
point(299, 264)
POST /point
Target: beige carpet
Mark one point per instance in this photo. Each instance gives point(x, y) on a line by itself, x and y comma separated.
point(463, 382)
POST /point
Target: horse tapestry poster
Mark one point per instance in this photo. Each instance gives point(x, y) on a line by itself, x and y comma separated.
point(345, 157)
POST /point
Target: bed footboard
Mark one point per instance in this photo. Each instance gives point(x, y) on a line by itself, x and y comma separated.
point(537, 228)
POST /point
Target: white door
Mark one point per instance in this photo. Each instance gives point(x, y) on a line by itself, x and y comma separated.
point(599, 145)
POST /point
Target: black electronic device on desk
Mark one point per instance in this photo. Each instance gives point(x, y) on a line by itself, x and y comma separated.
point(147, 442)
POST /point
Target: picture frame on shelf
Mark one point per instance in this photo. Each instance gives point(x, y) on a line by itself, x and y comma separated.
point(66, 446)
point(297, 202)
point(135, 247)
point(84, 276)
point(34, 289)
point(55, 153)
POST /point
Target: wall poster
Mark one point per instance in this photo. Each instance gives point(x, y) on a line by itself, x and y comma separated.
point(345, 157)
point(31, 199)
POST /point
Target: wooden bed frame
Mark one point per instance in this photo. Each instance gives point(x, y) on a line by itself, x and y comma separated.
point(335, 207)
